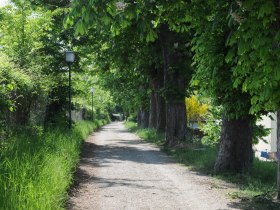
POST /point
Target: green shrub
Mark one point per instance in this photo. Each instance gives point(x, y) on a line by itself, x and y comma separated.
point(212, 128)
point(132, 126)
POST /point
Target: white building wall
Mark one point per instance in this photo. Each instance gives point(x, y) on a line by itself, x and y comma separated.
point(271, 139)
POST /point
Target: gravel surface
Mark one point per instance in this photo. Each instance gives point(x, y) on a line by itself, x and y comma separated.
point(120, 171)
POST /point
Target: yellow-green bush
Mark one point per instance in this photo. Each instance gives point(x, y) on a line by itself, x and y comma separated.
point(196, 111)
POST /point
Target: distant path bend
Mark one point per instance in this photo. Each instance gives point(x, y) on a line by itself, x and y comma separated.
point(120, 171)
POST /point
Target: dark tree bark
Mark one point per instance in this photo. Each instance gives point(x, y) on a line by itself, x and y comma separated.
point(278, 154)
point(144, 118)
point(139, 118)
point(161, 113)
point(153, 107)
point(235, 152)
point(157, 101)
point(175, 86)
point(161, 104)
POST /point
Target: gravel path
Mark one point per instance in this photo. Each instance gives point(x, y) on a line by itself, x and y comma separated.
point(120, 171)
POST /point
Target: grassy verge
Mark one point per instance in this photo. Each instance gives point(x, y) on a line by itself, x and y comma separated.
point(190, 155)
point(36, 167)
point(256, 188)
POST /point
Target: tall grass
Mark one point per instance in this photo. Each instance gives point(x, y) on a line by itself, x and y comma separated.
point(36, 167)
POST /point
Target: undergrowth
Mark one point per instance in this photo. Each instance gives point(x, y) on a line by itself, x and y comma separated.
point(257, 186)
point(36, 167)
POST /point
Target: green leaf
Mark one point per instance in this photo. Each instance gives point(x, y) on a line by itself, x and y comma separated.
point(267, 8)
point(151, 36)
point(230, 55)
point(277, 73)
point(80, 29)
point(243, 47)
point(11, 109)
point(67, 22)
point(231, 39)
point(106, 19)
point(10, 86)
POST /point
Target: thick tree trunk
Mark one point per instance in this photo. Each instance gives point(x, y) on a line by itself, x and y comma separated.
point(157, 101)
point(235, 152)
point(145, 118)
point(161, 113)
point(153, 107)
point(175, 86)
point(176, 123)
point(278, 153)
point(161, 104)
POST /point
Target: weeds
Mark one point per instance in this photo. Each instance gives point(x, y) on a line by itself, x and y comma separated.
point(36, 167)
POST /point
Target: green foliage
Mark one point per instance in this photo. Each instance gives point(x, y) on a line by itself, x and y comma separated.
point(36, 167)
point(213, 73)
point(259, 132)
point(132, 126)
point(7, 85)
point(212, 128)
point(21, 66)
point(258, 185)
point(33, 64)
point(102, 99)
point(254, 55)
point(127, 49)
point(151, 135)
point(203, 159)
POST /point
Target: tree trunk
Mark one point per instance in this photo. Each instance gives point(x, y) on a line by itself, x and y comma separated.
point(153, 107)
point(175, 86)
point(139, 118)
point(144, 118)
point(278, 153)
point(161, 113)
point(235, 152)
point(161, 104)
point(175, 123)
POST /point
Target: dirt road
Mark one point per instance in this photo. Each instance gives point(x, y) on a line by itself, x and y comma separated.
point(120, 171)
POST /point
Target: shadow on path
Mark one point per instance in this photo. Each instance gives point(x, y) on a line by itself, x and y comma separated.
point(118, 151)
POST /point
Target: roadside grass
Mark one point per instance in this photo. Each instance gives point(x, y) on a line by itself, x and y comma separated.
point(132, 126)
point(191, 155)
point(36, 167)
point(255, 188)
